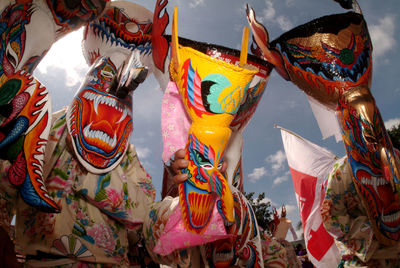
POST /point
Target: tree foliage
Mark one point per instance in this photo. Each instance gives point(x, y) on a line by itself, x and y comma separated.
point(261, 208)
point(394, 134)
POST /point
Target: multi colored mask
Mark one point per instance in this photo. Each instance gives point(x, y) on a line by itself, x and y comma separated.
point(100, 117)
point(243, 115)
point(25, 104)
point(212, 91)
point(330, 60)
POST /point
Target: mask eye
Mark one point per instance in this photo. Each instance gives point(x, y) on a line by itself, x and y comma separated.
point(107, 74)
point(207, 166)
point(11, 56)
point(219, 166)
point(132, 27)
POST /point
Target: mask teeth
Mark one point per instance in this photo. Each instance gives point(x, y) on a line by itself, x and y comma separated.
point(100, 135)
point(200, 208)
point(390, 218)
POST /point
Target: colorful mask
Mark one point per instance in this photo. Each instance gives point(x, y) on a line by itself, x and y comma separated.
point(330, 60)
point(25, 104)
point(254, 93)
point(212, 91)
point(100, 117)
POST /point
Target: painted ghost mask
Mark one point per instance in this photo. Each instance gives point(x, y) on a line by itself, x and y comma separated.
point(25, 106)
point(212, 91)
point(330, 59)
point(100, 117)
point(100, 123)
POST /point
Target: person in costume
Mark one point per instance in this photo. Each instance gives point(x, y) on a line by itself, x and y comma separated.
point(91, 170)
point(330, 59)
point(25, 102)
point(345, 218)
point(224, 245)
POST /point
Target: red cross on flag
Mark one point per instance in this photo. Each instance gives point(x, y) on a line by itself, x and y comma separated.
point(309, 165)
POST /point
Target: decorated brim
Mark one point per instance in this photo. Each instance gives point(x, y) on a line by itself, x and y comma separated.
point(123, 26)
point(196, 72)
point(329, 52)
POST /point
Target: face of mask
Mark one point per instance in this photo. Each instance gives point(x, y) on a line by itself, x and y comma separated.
point(99, 123)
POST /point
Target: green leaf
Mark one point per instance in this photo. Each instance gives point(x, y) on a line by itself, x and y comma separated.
point(101, 195)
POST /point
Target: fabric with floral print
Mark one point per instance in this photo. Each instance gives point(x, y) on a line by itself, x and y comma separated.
point(274, 253)
point(96, 210)
point(345, 218)
point(175, 122)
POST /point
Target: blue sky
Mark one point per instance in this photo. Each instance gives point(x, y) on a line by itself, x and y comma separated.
point(221, 22)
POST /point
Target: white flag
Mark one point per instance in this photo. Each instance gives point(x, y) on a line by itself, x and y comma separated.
point(309, 165)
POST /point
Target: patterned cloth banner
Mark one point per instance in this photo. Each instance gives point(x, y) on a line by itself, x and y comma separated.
point(175, 122)
point(309, 165)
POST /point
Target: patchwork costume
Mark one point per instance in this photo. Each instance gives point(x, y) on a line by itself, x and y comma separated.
point(96, 210)
point(92, 172)
point(345, 218)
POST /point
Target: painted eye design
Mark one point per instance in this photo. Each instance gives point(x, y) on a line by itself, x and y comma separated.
point(11, 55)
point(219, 166)
point(207, 166)
point(107, 74)
point(202, 161)
point(132, 27)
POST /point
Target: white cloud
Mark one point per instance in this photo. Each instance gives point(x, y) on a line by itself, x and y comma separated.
point(143, 152)
point(269, 12)
point(196, 3)
point(257, 174)
point(392, 122)
point(66, 54)
point(284, 23)
point(382, 35)
point(281, 179)
point(266, 200)
point(277, 161)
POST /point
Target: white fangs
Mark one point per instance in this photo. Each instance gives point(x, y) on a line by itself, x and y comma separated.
point(106, 100)
point(390, 218)
point(98, 134)
point(375, 182)
point(220, 257)
point(123, 116)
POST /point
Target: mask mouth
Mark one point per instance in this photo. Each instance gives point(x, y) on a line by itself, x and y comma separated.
point(382, 203)
point(223, 252)
point(100, 126)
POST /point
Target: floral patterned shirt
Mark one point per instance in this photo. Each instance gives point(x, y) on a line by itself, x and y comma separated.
point(97, 211)
point(346, 220)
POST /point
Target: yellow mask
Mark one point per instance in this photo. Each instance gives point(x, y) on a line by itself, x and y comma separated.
point(212, 91)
